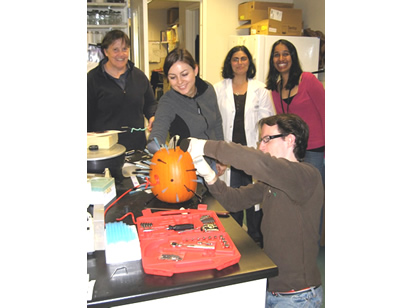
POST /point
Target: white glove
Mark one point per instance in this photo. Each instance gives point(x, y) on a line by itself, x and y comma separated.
point(204, 169)
point(196, 147)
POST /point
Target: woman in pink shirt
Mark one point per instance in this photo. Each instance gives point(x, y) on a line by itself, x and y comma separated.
point(301, 93)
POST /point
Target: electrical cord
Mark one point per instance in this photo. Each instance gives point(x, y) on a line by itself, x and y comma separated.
point(147, 184)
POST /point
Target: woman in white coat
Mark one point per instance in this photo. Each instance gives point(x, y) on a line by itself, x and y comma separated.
point(242, 102)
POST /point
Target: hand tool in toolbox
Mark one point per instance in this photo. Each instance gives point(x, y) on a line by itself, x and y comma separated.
point(218, 213)
point(188, 240)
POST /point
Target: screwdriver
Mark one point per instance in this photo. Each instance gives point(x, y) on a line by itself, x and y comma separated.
point(218, 213)
point(181, 227)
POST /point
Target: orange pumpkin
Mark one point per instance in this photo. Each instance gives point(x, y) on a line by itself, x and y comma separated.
point(173, 175)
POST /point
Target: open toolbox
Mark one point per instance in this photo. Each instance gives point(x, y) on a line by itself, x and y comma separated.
point(179, 241)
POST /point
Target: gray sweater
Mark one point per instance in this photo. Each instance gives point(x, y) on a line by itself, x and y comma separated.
point(181, 115)
point(291, 195)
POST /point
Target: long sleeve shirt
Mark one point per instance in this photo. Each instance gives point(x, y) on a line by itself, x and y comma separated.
point(185, 116)
point(291, 195)
point(110, 107)
point(309, 104)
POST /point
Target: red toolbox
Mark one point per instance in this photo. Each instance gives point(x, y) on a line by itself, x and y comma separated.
point(179, 241)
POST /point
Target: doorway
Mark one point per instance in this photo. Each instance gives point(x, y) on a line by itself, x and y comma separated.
point(185, 25)
point(193, 30)
point(170, 24)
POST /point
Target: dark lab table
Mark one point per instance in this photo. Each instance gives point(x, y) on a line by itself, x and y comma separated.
point(120, 284)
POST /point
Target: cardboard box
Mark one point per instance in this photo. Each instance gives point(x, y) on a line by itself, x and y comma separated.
point(285, 21)
point(257, 10)
point(104, 140)
point(281, 21)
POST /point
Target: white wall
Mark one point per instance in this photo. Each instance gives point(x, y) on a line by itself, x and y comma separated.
point(313, 14)
point(215, 43)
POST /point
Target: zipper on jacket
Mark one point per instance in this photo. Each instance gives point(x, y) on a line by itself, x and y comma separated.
point(205, 119)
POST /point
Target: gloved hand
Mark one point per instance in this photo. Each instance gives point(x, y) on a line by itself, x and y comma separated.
point(195, 147)
point(204, 169)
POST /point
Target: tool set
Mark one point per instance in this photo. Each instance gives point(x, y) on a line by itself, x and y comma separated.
point(180, 241)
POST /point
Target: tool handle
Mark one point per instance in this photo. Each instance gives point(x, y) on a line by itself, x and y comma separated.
point(181, 227)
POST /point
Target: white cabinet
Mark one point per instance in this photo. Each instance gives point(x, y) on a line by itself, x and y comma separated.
point(103, 17)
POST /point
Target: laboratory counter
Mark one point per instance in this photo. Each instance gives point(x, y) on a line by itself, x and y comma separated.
point(126, 283)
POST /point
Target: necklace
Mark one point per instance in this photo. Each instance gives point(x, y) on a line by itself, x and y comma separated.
point(281, 97)
point(240, 88)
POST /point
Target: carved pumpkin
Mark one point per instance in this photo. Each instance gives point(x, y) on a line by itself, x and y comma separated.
point(173, 175)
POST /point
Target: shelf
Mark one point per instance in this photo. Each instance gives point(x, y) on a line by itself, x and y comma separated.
point(103, 17)
point(106, 4)
point(107, 26)
point(169, 42)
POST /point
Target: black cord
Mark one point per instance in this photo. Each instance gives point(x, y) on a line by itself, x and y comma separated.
point(281, 96)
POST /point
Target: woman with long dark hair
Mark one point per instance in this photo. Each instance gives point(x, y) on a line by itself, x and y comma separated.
point(242, 101)
point(301, 93)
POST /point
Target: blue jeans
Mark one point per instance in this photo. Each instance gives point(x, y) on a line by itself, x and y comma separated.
point(316, 159)
point(309, 299)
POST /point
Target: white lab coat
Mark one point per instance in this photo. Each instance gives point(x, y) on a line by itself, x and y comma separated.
point(258, 105)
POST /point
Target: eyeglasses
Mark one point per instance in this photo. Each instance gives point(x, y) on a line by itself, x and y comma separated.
point(268, 138)
point(243, 59)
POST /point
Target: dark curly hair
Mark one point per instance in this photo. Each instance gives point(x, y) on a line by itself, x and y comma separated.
point(227, 71)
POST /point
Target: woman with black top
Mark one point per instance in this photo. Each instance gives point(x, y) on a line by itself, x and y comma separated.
point(119, 95)
point(242, 101)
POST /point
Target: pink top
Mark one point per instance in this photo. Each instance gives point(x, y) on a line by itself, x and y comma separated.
point(309, 104)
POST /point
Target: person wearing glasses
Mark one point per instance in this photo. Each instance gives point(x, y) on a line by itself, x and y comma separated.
point(291, 195)
point(298, 92)
point(238, 94)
